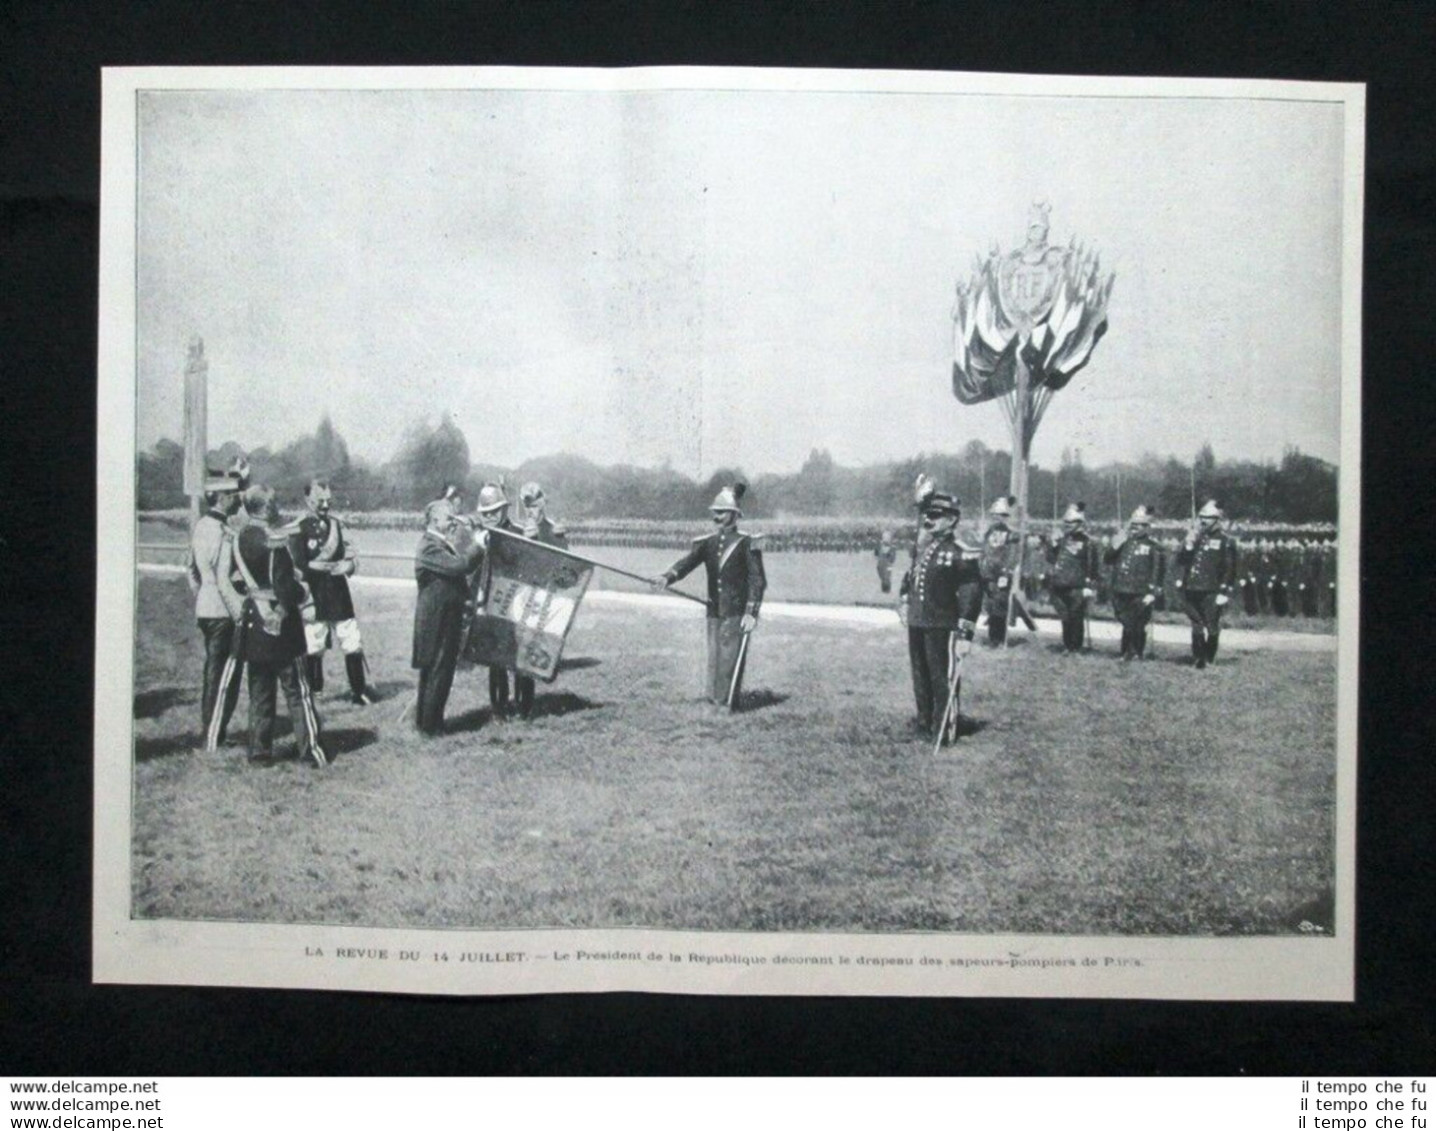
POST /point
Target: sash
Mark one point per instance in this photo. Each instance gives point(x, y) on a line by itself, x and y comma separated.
point(267, 607)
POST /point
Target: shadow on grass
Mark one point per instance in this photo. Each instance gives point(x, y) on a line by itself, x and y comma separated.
point(347, 740)
point(153, 704)
point(394, 689)
point(578, 663)
point(759, 698)
point(561, 703)
point(167, 746)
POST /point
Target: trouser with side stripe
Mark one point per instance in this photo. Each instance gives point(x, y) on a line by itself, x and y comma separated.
point(263, 679)
point(218, 633)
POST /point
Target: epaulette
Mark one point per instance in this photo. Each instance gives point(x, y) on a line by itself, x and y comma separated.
point(558, 528)
point(754, 537)
point(702, 538)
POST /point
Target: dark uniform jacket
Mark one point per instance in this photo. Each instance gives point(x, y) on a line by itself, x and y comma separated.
point(322, 540)
point(443, 567)
point(944, 587)
point(1140, 567)
point(999, 552)
point(270, 631)
point(1211, 564)
point(734, 562)
point(1074, 562)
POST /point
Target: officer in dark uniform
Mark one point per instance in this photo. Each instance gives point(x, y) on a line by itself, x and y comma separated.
point(886, 555)
point(1073, 577)
point(271, 634)
point(538, 527)
point(1208, 558)
point(1000, 547)
point(733, 561)
point(1139, 570)
point(939, 601)
point(326, 560)
point(445, 565)
point(492, 511)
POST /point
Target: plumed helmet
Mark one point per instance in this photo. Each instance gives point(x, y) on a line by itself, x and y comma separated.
point(1210, 510)
point(1002, 508)
point(1142, 516)
point(939, 504)
point(922, 487)
point(728, 498)
point(531, 493)
point(491, 498)
point(1075, 512)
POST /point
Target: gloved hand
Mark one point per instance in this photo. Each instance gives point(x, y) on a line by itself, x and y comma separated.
point(344, 568)
point(1088, 594)
point(1003, 581)
point(749, 622)
point(1149, 599)
point(1222, 599)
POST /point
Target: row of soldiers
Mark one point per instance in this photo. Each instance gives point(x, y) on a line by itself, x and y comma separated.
point(951, 583)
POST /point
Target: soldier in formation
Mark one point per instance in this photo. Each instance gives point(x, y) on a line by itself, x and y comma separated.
point(446, 564)
point(270, 639)
point(326, 560)
point(733, 562)
point(1139, 568)
point(1208, 558)
point(886, 556)
point(939, 601)
point(1072, 562)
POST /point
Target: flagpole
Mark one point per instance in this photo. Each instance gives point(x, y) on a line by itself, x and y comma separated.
point(590, 561)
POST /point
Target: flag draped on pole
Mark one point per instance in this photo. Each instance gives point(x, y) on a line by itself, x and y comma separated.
point(532, 595)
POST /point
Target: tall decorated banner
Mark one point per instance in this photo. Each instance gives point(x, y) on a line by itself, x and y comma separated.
point(196, 413)
point(533, 593)
point(1023, 325)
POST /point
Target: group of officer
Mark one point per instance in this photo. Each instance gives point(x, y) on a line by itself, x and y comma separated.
point(270, 599)
point(951, 582)
point(273, 598)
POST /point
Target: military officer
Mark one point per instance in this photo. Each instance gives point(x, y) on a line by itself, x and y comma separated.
point(445, 565)
point(218, 606)
point(1000, 549)
point(885, 555)
point(492, 513)
point(537, 527)
point(326, 560)
point(1139, 570)
point(733, 561)
point(939, 600)
point(1208, 558)
point(1073, 578)
point(271, 634)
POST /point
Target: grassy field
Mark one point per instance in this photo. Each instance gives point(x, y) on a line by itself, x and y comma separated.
point(1092, 797)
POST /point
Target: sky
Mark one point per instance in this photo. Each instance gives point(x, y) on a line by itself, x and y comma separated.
point(726, 278)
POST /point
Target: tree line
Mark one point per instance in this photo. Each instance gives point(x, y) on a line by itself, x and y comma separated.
point(1296, 489)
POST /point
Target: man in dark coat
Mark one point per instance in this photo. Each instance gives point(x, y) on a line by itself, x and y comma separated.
point(271, 634)
point(1073, 578)
point(733, 561)
point(326, 560)
point(939, 601)
point(1139, 571)
point(444, 567)
point(1000, 546)
point(1208, 558)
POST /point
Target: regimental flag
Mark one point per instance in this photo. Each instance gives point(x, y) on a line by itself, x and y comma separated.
point(533, 593)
